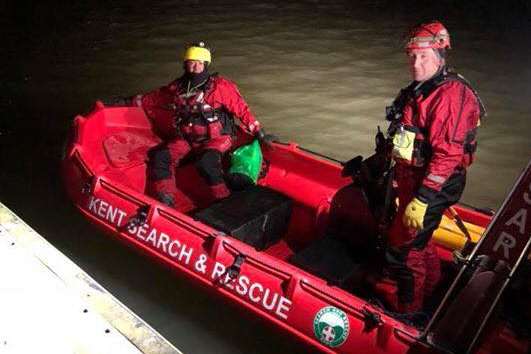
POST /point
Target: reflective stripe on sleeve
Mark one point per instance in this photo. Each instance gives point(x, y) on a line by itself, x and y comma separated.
point(435, 178)
point(254, 126)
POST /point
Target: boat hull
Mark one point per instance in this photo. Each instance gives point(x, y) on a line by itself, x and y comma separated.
point(105, 172)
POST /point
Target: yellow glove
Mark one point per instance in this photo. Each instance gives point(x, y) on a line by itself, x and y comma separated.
point(414, 214)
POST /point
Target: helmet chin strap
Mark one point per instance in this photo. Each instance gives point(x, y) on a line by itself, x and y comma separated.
point(442, 67)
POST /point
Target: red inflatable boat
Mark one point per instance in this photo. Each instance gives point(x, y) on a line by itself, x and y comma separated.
point(296, 249)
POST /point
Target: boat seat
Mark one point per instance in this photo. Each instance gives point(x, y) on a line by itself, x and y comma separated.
point(332, 259)
point(344, 256)
point(128, 149)
point(258, 216)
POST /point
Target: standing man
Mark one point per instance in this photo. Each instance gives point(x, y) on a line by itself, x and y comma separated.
point(194, 113)
point(433, 125)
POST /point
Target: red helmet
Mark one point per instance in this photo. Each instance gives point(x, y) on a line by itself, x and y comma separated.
point(429, 35)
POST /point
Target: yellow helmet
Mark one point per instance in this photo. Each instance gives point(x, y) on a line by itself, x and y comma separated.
point(197, 51)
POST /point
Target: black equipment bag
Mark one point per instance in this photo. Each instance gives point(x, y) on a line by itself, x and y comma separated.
point(258, 216)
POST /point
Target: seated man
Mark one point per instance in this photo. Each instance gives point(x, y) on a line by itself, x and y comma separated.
point(194, 113)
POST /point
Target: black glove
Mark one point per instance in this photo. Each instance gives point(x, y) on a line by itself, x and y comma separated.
point(264, 138)
point(117, 101)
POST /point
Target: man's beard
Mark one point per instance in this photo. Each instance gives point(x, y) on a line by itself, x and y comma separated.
point(196, 79)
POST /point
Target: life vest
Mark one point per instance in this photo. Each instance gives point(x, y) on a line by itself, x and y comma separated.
point(196, 119)
point(410, 142)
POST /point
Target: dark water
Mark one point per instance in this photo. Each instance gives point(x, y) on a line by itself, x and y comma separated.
point(316, 72)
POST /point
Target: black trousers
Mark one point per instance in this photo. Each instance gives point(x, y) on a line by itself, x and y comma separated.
point(398, 258)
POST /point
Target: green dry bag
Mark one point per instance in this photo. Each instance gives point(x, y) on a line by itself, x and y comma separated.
point(247, 160)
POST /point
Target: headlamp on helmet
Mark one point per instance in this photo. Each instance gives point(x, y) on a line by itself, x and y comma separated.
point(429, 35)
point(198, 51)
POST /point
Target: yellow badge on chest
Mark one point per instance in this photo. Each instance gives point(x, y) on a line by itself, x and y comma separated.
point(403, 144)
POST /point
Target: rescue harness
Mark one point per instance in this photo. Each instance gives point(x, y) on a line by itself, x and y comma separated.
point(411, 143)
point(196, 119)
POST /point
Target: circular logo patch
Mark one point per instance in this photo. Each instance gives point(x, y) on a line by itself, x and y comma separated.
point(331, 326)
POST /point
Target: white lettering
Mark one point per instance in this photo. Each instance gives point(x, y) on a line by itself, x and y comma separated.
point(519, 219)
point(273, 301)
point(107, 211)
point(505, 241)
point(243, 285)
point(185, 254)
point(255, 292)
point(219, 269)
point(152, 237)
point(228, 281)
point(93, 204)
point(142, 231)
point(163, 242)
point(283, 307)
point(172, 253)
point(111, 213)
point(120, 217)
point(200, 264)
point(102, 210)
point(255, 286)
point(132, 229)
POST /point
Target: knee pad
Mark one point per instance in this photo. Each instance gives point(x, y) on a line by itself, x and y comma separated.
point(209, 166)
point(159, 163)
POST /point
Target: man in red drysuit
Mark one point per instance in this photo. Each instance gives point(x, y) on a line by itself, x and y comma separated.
point(194, 113)
point(433, 125)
